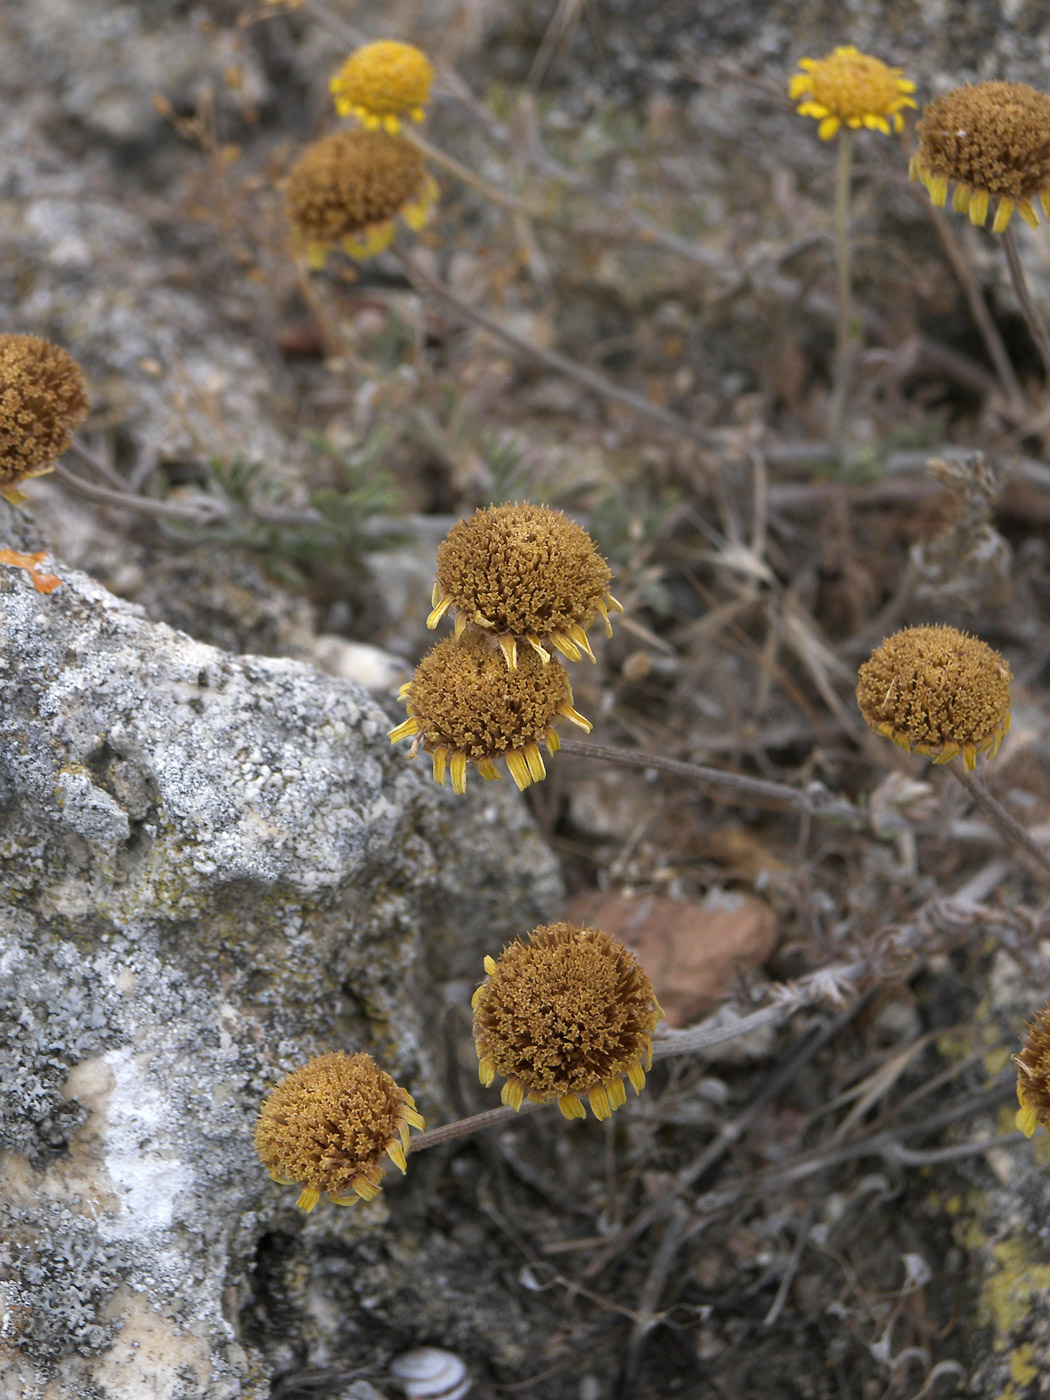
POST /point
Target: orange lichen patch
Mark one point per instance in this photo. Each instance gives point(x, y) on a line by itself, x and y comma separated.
point(382, 82)
point(347, 189)
point(42, 399)
point(332, 1126)
point(523, 573)
point(850, 88)
point(42, 582)
point(567, 1015)
point(464, 706)
point(992, 141)
point(1033, 1075)
point(938, 691)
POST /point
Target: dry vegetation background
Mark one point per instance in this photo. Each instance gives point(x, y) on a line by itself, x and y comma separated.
point(834, 1204)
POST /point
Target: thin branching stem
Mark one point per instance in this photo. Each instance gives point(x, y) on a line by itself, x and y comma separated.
point(1007, 823)
point(561, 364)
point(1033, 317)
point(815, 800)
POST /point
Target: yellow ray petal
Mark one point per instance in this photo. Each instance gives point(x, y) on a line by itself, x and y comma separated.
point(828, 128)
point(1003, 215)
point(579, 636)
point(534, 759)
point(404, 729)
point(438, 612)
point(439, 756)
point(636, 1075)
point(571, 1106)
point(308, 1198)
point(489, 964)
point(509, 647)
point(487, 769)
point(396, 1153)
point(1026, 209)
point(513, 1094)
point(519, 769)
point(486, 1072)
point(979, 207)
point(599, 1102)
point(565, 645)
point(552, 741)
point(617, 1094)
point(961, 199)
point(458, 770)
point(566, 710)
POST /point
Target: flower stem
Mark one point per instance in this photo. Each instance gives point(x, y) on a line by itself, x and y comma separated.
point(815, 801)
point(844, 332)
point(1033, 319)
point(1007, 823)
point(597, 383)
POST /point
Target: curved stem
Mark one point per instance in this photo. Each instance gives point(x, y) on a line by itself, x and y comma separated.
point(1007, 823)
point(1029, 310)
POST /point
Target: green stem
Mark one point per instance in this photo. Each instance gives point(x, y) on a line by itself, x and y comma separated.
point(844, 333)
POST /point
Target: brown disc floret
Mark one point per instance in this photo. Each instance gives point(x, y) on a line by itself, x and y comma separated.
point(565, 1015)
point(937, 690)
point(464, 706)
point(1033, 1075)
point(991, 141)
point(332, 1125)
point(523, 573)
point(347, 189)
point(42, 399)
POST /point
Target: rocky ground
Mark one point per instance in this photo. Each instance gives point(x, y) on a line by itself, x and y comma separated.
point(212, 863)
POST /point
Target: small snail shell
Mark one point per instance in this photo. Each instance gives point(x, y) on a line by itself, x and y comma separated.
point(428, 1373)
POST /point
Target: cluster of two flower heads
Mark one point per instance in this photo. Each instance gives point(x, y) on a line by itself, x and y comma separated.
point(565, 1015)
point(523, 582)
point(990, 140)
point(347, 189)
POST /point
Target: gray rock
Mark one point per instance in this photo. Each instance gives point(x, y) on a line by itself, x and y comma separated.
point(210, 867)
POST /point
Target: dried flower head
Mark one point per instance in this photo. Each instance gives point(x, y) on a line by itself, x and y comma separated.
point(938, 691)
point(346, 190)
point(564, 1016)
point(1033, 1075)
point(850, 88)
point(523, 573)
point(380, 83)
point(464, 706)
point(991, 140)
point(331, 1125)
point(41, 401)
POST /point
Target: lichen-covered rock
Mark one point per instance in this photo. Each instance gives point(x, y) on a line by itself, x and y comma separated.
point(210, 867)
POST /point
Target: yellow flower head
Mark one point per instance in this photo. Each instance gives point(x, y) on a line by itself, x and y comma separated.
point(382, 82)
point(346, 190)
point(41, 401)
point(938, 691)
point(332, 1125)
point(565, 1016)
point(1033, 1075)
point(523, 573)
point(992, 141)
point(464, 706)
point(850, 88)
